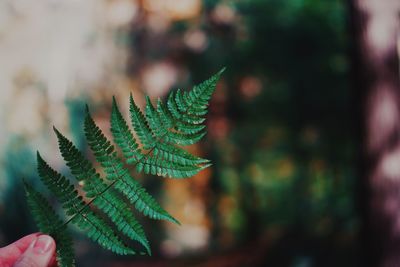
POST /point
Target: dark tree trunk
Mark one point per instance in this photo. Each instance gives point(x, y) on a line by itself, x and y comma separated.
point(376, 68)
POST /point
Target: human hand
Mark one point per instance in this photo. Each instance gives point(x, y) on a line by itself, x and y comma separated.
point(34, 250)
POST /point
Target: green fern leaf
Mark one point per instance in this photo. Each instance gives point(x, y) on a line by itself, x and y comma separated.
point(50, 223)
point(91, 224)
point(161, 132)
point(106, 200)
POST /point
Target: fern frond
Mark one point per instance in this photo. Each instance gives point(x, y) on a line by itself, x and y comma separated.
point(106, 200)
point(113, 167)
point(49, 223)
point(160, 131)
point(92, 225)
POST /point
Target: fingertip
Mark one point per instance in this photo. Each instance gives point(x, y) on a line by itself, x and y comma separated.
point(39, 253)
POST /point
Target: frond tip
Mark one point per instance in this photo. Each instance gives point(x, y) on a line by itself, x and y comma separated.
point(101, 208)
point(162, 130)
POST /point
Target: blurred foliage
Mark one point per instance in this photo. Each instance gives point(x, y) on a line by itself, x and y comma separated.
point(280, 132)
point(287, 163)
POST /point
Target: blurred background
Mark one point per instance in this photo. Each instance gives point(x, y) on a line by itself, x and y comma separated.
point(282, 134)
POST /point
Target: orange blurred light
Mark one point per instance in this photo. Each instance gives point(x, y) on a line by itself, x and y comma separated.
point(250, 87)
point(223, 14)
point(219, 127)
point(174, 9)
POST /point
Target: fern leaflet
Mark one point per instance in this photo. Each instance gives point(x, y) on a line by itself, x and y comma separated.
point(50, 223)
